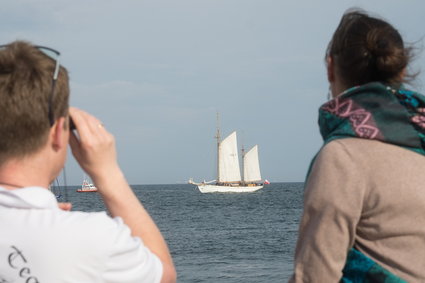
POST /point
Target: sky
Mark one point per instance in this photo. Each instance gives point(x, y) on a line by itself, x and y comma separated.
point(156, 72)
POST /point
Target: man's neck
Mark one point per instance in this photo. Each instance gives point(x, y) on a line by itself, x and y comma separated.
point(25, 172)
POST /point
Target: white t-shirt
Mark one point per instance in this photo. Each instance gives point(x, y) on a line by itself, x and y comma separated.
point(41, 243)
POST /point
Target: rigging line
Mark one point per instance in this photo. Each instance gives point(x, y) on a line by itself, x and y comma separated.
point(65, 185)
point(56, 190)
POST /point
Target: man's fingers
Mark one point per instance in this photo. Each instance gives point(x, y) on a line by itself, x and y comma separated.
point(87, 125)
point(67, 206)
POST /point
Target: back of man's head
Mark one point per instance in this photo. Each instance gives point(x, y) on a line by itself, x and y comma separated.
point(26, 91)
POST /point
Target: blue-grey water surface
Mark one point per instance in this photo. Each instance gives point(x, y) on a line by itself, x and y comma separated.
point(213, 238)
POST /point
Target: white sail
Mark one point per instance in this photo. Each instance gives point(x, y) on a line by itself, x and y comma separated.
point(228, 170)
point(228, 164)
point(251, 170)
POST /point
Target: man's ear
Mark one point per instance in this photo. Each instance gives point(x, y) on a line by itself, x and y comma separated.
point(330, 69)
point(58, 134)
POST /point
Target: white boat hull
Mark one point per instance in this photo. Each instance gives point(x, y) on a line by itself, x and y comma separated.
point(228, 189)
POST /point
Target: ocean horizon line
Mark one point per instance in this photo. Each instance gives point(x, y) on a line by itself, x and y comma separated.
point(181, 183)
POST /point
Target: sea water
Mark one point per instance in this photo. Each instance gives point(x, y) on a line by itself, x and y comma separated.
point(230, 237)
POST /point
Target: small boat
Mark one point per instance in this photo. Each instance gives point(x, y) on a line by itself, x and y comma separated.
point(229, 179)
point(86, 186)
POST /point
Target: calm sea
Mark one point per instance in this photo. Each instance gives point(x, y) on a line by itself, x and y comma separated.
point(221, 237)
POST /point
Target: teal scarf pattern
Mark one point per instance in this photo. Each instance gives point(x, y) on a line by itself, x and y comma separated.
point(361, 269)
point(379, 112)
point(376, 111)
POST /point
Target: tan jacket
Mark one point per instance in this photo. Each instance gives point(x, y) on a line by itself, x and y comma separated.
point(369, 195)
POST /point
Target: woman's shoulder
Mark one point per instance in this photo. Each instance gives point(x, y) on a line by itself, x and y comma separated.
point(361, 146)
point(372, 154)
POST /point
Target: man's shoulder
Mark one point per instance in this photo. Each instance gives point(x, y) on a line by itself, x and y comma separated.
point(85, 218)
point(89, 222)
point(94, 233)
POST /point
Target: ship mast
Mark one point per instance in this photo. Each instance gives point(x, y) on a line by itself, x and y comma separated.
point(217, 136)
point(243, 164)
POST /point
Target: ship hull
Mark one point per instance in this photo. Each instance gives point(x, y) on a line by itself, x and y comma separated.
point(228, 189)
point(86, 190)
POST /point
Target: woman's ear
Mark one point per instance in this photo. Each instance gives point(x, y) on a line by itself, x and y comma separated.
point(330, 69)
point(403, 74)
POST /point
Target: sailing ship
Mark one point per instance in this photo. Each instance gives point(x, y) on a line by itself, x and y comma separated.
point(229, 179)
point(86, 186)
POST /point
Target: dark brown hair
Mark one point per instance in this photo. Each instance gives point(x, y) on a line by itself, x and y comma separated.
point(366, 49)
point(26, 75)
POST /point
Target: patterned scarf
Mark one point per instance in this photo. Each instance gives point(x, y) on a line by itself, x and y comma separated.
point(379, 112)
point(376, 111)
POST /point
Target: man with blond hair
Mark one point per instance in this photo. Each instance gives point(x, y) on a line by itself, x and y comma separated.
point(41, 240)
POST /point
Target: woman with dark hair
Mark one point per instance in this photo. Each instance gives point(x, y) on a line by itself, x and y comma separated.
point(364, 201)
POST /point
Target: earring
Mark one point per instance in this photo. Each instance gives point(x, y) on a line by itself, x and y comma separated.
point(329, 93)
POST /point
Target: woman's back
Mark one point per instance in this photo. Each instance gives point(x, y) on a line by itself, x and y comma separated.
point(366, 194)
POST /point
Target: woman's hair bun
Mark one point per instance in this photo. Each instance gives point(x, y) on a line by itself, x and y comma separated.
point(367, 49)
point(386, 50)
